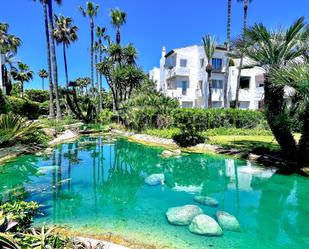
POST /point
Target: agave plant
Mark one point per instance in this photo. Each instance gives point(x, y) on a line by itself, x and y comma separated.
point(14, 128)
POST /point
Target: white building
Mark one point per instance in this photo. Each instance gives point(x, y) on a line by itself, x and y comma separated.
point(2, 87)
point(182, 75)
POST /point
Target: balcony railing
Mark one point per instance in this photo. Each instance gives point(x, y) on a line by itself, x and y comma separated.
point(178, 71)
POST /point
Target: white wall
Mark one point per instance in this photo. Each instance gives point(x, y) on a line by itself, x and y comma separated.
point(3, 89)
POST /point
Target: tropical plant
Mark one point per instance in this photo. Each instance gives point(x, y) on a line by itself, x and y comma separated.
point(22, 74)
point(9, 64)
point(228, 46)
point(14, 129)
point(65, 33)
point(241, 62)
point(91, 11)
point(296, 77)
point(210, 45)
point(119, 18)
point(8, 42)
point(274, 50)
point(43, 75)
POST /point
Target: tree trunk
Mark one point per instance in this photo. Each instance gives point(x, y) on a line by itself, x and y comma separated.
point(91, 56)
point(97, 82)
point(21, 89)
point(66, 73)
point(100, 85)
point(118, 36)
point(50, 78)
point(42, 83)
point(209, 91)
point(245, 14)
point(304, 139)
point(54, 59)
point(274, 104)
point(229, 14)
point(238, 82)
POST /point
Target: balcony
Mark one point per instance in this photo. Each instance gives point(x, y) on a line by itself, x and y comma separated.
point(178, 71)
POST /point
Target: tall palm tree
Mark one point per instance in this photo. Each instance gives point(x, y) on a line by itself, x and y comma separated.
point(228, 46)
point(53, 55)
point(119, 18)
point(65, 33)
point(210, 45)
point(246, 6)
point(22, 74)
point(100, 32)
point(43, 75)
point(49, 64)
point(270, 51)
point(91, 11)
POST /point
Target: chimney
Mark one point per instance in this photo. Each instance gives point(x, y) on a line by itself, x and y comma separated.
point(163, 52)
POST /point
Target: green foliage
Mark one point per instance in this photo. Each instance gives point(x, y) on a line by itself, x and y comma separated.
point(8, 241)
point(236, 132)
point(20, 212)
point(15, 129)
point(3, 103)
point(26, 108)
point(105, 117)
point(37, 95)
point(163, 133)
point(58, 125)
point(203, 119)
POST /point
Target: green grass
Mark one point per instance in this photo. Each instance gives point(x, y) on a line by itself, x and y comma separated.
point(163, 133)
point(57, 124)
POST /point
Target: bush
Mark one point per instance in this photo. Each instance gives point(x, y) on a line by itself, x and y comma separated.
point(185, 139)
point(203, 119)
point(3, 104)
point(37, 95)
point(163, 133)
point(105, 117)
point(236, 132)
point(27, 108)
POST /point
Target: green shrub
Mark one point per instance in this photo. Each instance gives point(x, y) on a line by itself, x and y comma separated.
point(185, 139)
point(26, 108)
point(37, 95)
point(3, 103)
point(236, 132)
point(163, 133)
point(105, 116)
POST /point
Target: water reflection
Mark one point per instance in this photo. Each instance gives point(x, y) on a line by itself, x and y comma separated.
point(96, 179)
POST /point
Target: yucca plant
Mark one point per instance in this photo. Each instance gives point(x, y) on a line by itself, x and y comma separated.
point(14, 128)
point(7, 241)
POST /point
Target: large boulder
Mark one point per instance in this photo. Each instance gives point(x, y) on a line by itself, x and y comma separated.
point(64, 137)
point(205, 225)
point(50, 132)
point(171, 153)
point(182, 216)
point(155, 179)
point(205, 200)
point(228, 221)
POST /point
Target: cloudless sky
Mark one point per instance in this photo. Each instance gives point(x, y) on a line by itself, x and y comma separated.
point(151, 24)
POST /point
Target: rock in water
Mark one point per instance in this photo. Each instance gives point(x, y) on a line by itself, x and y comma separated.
point(228, 221)
point(183, 215)
point(205, 225)
point(155, 179)
point(205, 200)
point(170, 153)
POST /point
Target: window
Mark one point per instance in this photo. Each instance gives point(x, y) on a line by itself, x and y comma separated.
point(217, 64)
point(202, 63)
point(187, 104)
point(170, 62)
point(184, 86)
point(244, 105)
point(216, 104)
point(244, 82)
point(217, 84)
point(183, 63)
point(171, 85)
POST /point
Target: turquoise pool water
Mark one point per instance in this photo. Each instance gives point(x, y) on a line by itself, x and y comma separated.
point(96, 185)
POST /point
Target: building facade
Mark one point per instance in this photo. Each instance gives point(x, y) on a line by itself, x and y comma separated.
point(182, 75)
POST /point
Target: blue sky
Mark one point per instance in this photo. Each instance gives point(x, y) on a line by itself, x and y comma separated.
point(151, 24)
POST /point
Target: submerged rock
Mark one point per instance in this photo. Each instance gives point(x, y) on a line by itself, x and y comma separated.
point(205, 225)
point(170, 153)
point(183, 215)
point(155, 179)
point(206, 200)
point(228, 221)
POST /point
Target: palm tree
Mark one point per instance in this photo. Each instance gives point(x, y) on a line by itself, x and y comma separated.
point(210, 45)
point(65, 33)
point(22, 74)
point(119, 18)
point(228, 46)
point(49, 64)
point(91, 11)
point(8, 42)
point(100, 35)
point(43, 74)
point(270, 51)
point(246, 5)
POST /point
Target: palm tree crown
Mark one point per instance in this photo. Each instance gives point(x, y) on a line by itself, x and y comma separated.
point(65, 32)
point(119, 18)
point(8, 42)
point(22, 74)
point(43, 73)
point(91, 10)
point(210, 45)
